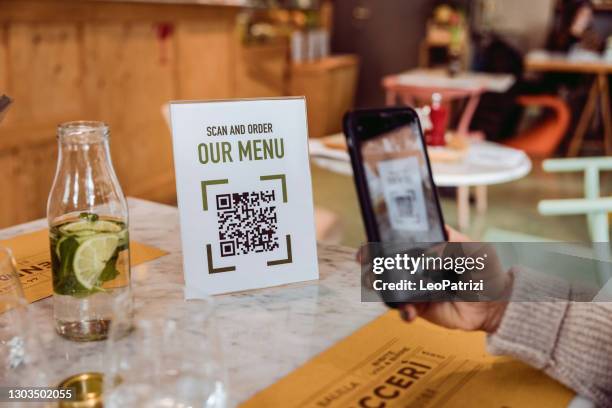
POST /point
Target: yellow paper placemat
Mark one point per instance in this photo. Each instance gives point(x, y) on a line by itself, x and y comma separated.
point(389, 363)
point(31, 253)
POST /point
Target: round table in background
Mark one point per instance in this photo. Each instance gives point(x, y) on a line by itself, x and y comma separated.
point(484, 164)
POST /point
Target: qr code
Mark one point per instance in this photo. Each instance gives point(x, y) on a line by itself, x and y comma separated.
point(405, 204)
point(247, 222)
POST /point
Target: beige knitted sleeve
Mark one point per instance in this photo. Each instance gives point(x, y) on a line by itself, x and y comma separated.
point(570, 341)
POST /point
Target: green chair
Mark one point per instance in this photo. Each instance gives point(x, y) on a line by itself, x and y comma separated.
point(595, 207)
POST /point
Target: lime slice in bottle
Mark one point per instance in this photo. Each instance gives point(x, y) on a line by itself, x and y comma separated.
point(97, 226)
point(79, 236)
point(123, 238)
point(58, 245)
point(91, 257)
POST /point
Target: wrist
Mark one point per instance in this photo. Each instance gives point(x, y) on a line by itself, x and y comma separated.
point(495, 315)
point(497, 308)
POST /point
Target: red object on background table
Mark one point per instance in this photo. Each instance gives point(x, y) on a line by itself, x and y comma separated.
point(418, 85)
point(439, 121)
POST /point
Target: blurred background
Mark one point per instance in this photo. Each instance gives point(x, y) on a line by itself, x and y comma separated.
point(508, 84)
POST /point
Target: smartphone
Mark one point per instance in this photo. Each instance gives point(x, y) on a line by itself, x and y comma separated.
point(397, 195)
point(398, 198)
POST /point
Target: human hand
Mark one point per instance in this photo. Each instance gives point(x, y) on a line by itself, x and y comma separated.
point(484, 316)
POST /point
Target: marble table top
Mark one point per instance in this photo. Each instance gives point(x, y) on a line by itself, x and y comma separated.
point(265, 333)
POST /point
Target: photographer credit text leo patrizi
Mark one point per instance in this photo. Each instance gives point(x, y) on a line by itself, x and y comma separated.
point(417, 265)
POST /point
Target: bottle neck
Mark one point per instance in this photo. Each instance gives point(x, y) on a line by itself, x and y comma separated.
point(436, 101)
point(83, 156)
point(85, 180)
point(82, 133)
point(84, 153)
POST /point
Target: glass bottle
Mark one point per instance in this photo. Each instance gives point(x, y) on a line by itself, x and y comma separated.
point(88, 231)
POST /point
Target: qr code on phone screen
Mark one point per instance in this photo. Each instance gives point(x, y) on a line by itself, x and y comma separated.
point(247, 222)
point(405, 204)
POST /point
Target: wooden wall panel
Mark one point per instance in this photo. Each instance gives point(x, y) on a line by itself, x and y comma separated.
point(8, 195)
point(67, 60)
point(3, 57)
point(43, 77)
point(129, 76)
point(35, 11)
point(42, 73)
point(49, 54)
point(27, 174)
point(36, 166)
point(206, 52)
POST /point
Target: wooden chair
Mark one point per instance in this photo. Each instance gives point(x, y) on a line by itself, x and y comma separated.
point(543, 139)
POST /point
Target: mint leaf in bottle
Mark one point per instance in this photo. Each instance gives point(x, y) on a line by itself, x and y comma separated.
point(88, 216)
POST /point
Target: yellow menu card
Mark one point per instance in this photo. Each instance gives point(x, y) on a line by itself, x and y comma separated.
point(31, 253)
point(389, 363)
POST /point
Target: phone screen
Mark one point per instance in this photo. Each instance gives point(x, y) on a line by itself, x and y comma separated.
point(397, 176)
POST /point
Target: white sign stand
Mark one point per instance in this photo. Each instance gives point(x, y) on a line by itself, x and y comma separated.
point(244, 194)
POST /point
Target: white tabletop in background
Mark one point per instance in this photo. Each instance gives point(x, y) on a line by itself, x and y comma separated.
point(576, 56)
point(485, 163)
point(439, 78)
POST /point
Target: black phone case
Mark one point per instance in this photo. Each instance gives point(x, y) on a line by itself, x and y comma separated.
point(354, 144)
point(361, 184)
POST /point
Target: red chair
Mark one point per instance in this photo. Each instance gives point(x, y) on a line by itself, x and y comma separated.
point(542, 140)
